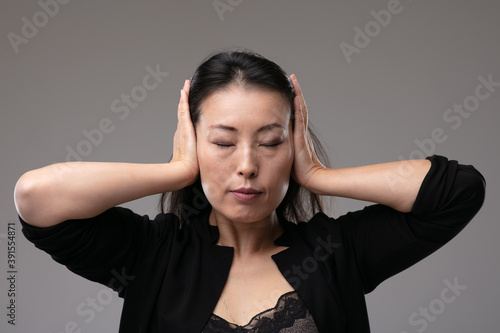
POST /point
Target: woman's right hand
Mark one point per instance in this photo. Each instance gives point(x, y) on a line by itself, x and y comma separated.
point(185, 154)
point(76, 190)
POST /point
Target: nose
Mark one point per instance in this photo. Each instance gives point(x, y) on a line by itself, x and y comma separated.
point(248, 163)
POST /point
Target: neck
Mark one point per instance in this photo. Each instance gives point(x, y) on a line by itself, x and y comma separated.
point(247, 238)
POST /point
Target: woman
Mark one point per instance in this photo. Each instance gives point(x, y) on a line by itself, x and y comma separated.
point(233, 253)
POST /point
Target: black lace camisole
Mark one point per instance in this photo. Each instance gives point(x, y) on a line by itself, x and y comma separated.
point(290, 315)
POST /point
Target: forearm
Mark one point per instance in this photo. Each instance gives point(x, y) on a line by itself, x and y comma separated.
point(76, 190)
point(395, 184)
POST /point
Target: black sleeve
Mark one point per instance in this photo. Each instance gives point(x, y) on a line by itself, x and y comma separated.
point(106, 248)
point(384, 241)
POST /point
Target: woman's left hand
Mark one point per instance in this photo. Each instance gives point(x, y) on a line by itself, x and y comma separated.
point(306, 163)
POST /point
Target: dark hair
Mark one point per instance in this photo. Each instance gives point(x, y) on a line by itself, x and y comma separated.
point(249, 70)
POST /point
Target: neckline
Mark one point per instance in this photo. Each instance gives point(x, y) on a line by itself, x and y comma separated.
point(211, 233)
point(280, 299)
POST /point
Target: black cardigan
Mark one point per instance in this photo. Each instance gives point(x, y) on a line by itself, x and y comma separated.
point(171, 277)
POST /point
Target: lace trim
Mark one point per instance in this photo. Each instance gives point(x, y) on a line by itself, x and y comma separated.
point(289, 315)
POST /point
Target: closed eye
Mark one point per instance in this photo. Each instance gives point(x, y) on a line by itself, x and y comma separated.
point(223, 145)
point(271, 145)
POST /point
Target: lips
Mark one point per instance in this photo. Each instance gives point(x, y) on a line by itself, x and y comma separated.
point(246, 193)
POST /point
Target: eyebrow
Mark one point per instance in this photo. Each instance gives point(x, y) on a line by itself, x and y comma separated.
point(262, 129)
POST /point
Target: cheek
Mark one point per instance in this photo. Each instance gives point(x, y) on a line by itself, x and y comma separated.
point(211, 186)
point(208, 190)
point(211, 171)
point(286, 160)
point(280, 171)
point(205, 157)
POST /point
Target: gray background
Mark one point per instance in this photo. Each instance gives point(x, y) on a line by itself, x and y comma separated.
point(372, 109)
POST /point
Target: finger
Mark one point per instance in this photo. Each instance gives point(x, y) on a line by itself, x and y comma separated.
point(300, 132)
point(185, 123)
point(182, 111)
point(184, 100)
point(301, 118)
point(300, 97)
point(183, 108)
point(299, 114)
point(300, 107)
point(296, 86)
point(176, 146)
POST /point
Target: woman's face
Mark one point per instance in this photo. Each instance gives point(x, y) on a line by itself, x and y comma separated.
point(245, 152)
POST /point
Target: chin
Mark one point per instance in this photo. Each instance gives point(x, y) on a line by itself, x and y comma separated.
point(245, 215)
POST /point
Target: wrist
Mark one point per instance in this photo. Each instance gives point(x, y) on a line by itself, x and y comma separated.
point(319, 180)
point(180, 175)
